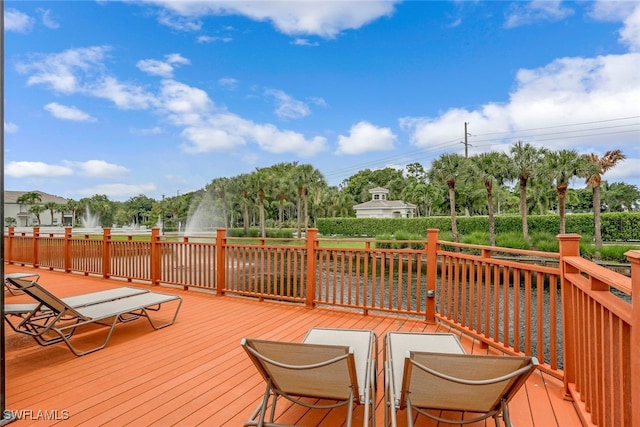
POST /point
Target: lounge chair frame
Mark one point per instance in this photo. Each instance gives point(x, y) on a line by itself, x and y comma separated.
point(311, 361)
point(21, 275)
point(447, 379)
point(63, 320)
point(15, 314)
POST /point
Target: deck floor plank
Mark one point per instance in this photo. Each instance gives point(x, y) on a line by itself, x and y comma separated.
point(196, 373)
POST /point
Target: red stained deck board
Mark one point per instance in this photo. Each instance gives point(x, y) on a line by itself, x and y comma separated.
point(195, 371)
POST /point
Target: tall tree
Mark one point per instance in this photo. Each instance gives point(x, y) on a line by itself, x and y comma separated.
point(562, 166)
point(260, 184)
point(36, 210)
point(445, 170)
point(53, 208)
point(243, 185)
point(306, 178)
point(492, 168)
point(219, 188)
point(600, 165)
point(620, 196)
point(526, 161)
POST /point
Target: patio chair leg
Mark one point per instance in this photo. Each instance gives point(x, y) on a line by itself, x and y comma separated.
point(505, 414)
point(261, 410)
point(409, 414)
point(350, 411)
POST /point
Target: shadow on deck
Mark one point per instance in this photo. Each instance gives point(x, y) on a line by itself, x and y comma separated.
point(196, 373)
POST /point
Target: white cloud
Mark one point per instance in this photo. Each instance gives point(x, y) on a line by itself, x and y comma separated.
point(627, 12)
point(201, 139)
point(16, 21)
point(288, 107)
point(38, 169)
point(274, 140)
point(10, 127)
point(185, 105)
point(536, 11)
point(228, 82)
point(125, 96)
point(155, 67)
point(212, 39)
point(47, 19)
point(364, 137)
point(99, 169)
point(64, 72)
point(205, 127)
point(68, 113)
point(321, 18)
point(156, 130)
point(630, 33)
point(582, 91)
point(180, 23)
point(162, 68)
point(304, 42)
point(82, 71)
point(118, 191)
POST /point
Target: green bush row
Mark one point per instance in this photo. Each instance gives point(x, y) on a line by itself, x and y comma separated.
point(617, 226)
point(275, 233)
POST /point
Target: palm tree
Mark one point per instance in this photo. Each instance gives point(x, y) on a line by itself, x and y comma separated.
point(243, 183)
point(37, 210)
point(52, 207)
point(219, 188)
point(306, 178)
point(492, 168)
point(526, 160)
point(31, 198)
point(446, 170)
point(600, 166)
point(72, 206)
point(620, 196)
point(562, 166)
point(259, 183)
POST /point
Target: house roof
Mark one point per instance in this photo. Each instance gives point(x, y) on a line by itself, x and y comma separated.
point(384, 204)
point(12, 197)
point(378, 190)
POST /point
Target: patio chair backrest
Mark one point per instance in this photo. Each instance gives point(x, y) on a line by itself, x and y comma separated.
point(305, 370)
point(463, 382)
point(42, 295)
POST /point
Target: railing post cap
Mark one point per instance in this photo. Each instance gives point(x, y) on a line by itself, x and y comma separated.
point(569, 237)
point(633, 256)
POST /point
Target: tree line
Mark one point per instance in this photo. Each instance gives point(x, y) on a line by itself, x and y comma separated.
point(525, 180)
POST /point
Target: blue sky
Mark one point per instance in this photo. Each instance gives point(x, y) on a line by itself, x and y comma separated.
point(160, 97)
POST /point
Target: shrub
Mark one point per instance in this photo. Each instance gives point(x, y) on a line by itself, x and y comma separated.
point(512, 240)
point(616, 252)
point(476, 238)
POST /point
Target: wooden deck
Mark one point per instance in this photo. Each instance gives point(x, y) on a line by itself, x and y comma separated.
point(195, 372)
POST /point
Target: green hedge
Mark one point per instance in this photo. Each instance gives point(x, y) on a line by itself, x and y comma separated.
point(618, 226)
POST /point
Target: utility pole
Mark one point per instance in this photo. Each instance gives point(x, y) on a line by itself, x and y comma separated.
point(466, 140)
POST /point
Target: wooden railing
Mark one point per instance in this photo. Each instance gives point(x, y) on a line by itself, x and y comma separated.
point(601, 337)
point(576, 317)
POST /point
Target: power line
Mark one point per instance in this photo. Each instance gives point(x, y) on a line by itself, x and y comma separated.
point(510, 134)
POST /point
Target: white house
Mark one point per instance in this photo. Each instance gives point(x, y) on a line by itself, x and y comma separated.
point(24, 218)
point(380, 207)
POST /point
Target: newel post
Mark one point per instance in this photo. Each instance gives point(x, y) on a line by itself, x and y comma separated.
point(432, 273)
point(569, 246)
point(36, 237)
point(67, 249)
point(311, 236)
point(634, 351)
point(155, 256)
point(221, 260)
point(11, 232)
point(106, 264)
